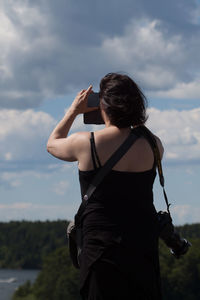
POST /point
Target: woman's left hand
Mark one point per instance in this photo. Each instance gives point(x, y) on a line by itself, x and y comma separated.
point(79, 105)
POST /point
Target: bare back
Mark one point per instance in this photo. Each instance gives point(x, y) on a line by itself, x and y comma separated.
point(139, 157)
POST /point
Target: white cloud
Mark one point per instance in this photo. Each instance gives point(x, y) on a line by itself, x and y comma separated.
point(14, 179)
point(31, 211)
point(78, 123)
point(195, 15)
point(8, 38)
point(60, 188)
point(61, 167)
point(145, 51)
point(17, 205)
point(41, 57)
point(23, 33)
point(182, 90)
point(179, 132)
point(23, 135)
point(185, 213)
point(23, 174)
point(9, 179)
point(8, 156)
point(9, 183)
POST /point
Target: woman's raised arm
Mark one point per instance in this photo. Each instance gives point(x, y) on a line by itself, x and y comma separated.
point(59, 143)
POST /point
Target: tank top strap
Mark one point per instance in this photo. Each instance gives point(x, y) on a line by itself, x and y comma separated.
point(154, 158)
point(95, 157)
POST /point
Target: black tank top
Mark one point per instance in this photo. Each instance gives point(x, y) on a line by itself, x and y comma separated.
point(122, 199)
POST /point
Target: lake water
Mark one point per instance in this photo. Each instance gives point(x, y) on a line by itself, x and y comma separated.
point(11, 279)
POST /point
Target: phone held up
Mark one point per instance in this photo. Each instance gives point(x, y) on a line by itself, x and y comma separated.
point(93, 117)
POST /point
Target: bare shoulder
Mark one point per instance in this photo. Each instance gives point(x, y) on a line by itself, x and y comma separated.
point(81, 135)
point(70, 148)
point(160, 145)
point(80, 139)
point(81, 145)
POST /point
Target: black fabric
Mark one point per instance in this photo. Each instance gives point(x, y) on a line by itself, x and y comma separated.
point(95, 157)
point(119, 258)
point(121, 216)
point(103, 171)
point(106, 282)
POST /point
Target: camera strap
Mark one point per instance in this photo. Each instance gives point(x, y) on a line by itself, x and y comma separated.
point(152, 141)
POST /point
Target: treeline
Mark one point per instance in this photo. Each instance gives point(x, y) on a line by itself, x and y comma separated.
point(189, 231)
point(181, 277)
point(25, 244)
point(58, 280)
point(44, 244)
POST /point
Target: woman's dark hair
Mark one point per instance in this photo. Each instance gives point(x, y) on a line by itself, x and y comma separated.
point(125, 104)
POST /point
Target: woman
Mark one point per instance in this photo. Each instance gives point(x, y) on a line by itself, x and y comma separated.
point(119, 259)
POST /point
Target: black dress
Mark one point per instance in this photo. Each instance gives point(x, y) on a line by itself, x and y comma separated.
point(119, 259)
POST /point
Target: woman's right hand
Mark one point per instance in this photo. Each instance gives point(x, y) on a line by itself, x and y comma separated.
point(79, 105)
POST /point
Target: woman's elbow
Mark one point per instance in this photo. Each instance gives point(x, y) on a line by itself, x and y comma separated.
point(49, 146)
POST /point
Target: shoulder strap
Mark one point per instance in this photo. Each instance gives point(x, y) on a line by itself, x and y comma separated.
point(95, 157)
point(152, 141)
point(116, 156)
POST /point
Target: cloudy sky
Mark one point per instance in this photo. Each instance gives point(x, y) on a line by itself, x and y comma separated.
point(49, 50)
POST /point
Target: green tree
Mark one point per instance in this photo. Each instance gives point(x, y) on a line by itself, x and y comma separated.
point(24, 244)
point(24, 292)
point(181, 277)
point(58, 280)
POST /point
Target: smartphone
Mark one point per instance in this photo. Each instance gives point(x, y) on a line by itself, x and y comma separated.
point(93, 117)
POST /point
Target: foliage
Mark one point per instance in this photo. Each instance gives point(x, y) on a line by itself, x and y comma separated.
point(28, 297)
point(58, 278)
point(24, 292)
point(189, 231)
point(24, 244)
point(181, 277)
